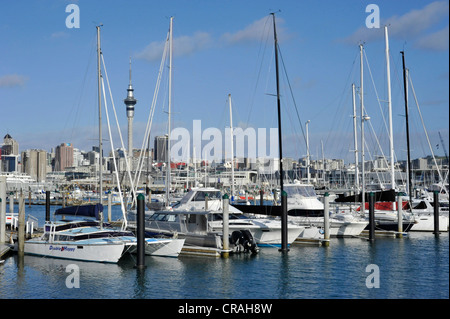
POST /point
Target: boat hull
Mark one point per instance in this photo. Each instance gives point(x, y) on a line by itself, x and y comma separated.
point(107, 253)
point(162, 247)
point(425, 223)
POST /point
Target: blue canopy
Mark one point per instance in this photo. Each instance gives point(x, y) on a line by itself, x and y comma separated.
point(92, 210)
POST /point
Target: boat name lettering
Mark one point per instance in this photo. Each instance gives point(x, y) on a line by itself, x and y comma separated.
point(61, 248)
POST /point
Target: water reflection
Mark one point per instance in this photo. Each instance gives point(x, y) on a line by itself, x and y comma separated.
point(412, 267)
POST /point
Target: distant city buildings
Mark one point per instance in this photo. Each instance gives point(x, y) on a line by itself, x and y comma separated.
point(63, 157)
point(65, 163)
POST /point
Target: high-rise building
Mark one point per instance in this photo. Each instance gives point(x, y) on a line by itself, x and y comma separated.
point(10, 146)
point(63, 156)
point(34, 163)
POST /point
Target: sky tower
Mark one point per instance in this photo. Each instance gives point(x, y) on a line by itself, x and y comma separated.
point(130, 101)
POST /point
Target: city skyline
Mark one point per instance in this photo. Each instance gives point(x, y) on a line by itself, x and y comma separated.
point(47, 76)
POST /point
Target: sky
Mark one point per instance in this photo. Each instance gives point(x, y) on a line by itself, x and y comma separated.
point(48, 81)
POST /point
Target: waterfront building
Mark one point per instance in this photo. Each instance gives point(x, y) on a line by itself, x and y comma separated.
point(63, 156)
point(34, 163)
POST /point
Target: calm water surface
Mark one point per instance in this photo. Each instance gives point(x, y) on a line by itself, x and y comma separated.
point(416, 266)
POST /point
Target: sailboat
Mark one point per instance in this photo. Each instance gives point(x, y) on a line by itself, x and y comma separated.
point(82, 234)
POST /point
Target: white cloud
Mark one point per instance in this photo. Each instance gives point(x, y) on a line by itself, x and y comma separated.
point(182, 46)
point(435, 41)
point(59, 35)
point(255, 31)
point(12, 80)
point(406, 27)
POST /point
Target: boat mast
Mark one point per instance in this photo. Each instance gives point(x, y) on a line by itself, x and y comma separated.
point(355, 138)
point(283, 208)
point(391, 137)
point(100, 141)
point(169, 115)
point(232, 146)
point(405, 86)
point(363, 118)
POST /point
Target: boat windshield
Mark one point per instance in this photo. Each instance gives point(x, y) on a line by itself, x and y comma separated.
point(300, 190)
point(200, 195)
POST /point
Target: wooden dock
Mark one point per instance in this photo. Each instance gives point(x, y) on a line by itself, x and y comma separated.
point(199, 251)
point(4, 249)
point(383, 233)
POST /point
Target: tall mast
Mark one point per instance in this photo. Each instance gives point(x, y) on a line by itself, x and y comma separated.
point(405, 86)
point(391, 136)
point(283, 208)
point(100, 141)
point(363, 181)
point(170, 107)
point(355, 138)
point(232, 146)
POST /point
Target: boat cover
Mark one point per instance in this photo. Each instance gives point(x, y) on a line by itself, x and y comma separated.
point(92, 210)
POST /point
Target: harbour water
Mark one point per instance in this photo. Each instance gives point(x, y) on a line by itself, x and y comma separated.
point(413, 267)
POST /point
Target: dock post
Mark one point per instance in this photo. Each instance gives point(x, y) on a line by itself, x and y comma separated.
point(11, 203)
point(326, 220)
point(284, 230)
point(436, 213)
point(400, 216)
point(2, 209)
point(225, 231)
point(140, 232)
point(21, 230)
point(371, 216)
point(261, 201)
point(29, 198)
point(47, 206)
point(109, 206)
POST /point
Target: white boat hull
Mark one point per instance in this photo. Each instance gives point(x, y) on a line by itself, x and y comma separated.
point(338, 228)
point(425, 223)
point(107, 253)
point(163, 247)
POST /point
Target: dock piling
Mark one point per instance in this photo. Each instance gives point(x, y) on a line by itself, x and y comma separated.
point(140, 232)
point(47, 206)
point(284, 225)
point(326, 220)
point(371, 216)
point(2, 209)
point(225, 231)
point(436, 213)
point(109, 206)
point(400, 216)
point(21, 230)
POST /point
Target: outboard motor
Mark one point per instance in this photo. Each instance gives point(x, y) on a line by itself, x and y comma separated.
point(243, 240)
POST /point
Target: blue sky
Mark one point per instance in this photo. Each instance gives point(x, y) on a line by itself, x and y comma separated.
point(48, 72)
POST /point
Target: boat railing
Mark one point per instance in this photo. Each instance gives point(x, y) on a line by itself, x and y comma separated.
point(30, 225)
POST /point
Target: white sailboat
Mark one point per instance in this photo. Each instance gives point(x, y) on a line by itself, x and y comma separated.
point(86, 237)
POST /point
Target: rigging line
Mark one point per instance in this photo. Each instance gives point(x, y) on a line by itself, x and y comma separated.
point(423, 124)
point(118, 129)
point(261, 63)
point(93, 47)
point(376, 92)
point(292, 95)
point(152, 112)
point(112, 147)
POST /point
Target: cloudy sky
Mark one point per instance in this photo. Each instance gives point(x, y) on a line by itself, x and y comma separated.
point(48, 88)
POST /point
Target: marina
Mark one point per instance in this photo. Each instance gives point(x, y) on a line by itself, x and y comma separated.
point(203, 216)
